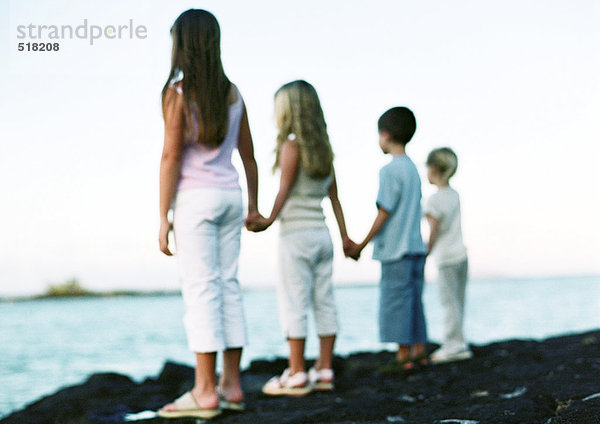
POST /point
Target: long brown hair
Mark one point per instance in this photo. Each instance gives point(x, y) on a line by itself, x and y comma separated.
point(196, 56)
point(298, 111)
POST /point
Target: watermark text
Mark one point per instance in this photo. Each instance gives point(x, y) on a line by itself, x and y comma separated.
point(84, 31)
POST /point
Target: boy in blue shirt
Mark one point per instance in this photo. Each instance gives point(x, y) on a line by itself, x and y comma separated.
point(398, 244)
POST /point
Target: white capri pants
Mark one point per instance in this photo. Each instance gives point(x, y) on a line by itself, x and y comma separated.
point(452, 287)
point(207, 224)
point(306, 267)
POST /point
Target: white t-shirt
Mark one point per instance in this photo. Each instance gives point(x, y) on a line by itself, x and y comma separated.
point(445, 207)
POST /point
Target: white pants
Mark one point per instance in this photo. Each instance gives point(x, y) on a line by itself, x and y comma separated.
point(306, 267)
point(207, 224)
point(452, 287)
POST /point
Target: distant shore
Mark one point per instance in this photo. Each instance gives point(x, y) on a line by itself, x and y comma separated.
point(141, 293)
point(553, 381)
point(92, 294)
point(73, 289)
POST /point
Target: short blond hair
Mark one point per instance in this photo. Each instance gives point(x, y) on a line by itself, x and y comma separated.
point(444, 160)
point(299, 117)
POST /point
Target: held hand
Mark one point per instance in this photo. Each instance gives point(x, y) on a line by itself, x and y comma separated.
point(251, 219)
point(163, 236)
point(347, 243)
point(351, 249)
point(354, 252)
point(256, 222)
point(259, 225)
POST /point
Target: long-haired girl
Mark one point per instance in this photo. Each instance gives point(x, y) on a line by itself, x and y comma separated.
point(305, 158)
point(205, 121)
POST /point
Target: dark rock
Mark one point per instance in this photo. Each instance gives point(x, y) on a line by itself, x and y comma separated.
point(556, 381)
point(173, 374)
point(577, 411)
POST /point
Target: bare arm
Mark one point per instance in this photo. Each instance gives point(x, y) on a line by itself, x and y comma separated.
point(170, 162)
point(289, 158)
point(378, 223)
point(246, 149)
point(337, 208)
point(434, 229)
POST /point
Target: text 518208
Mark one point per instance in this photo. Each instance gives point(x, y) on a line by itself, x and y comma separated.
point(38, 47)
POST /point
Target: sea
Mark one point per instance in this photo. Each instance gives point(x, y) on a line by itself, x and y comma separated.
point(47, 344)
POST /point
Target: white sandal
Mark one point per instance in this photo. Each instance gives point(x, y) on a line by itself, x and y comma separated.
point(286, 384)
point(322, 379)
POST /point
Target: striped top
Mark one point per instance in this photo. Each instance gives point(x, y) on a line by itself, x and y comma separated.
point(303, 208)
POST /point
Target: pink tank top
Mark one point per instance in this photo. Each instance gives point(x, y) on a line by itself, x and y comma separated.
point(203, 166)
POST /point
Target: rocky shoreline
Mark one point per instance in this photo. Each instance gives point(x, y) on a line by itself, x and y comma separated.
point(553, 381)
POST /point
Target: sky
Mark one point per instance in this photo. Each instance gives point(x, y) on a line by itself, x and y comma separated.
point(513, 87)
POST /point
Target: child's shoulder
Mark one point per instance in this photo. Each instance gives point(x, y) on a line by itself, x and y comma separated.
point(388, 170)
point(234, 95)
point(176, 86)
point(402, 166)
point(448, 191)
point(445, 196)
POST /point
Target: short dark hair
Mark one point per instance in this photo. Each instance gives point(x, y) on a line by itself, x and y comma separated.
point(400, 122)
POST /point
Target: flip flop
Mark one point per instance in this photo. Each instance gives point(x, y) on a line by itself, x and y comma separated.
point(422, 361)
point(187, 407)
point(229, 405)
point(395, 367)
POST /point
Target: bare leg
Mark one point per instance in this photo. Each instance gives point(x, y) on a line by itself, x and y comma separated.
point(403, 353)
point(326, 352)
point(229, 383)
point(204, 391)
point(296, 355)
point(418, 350)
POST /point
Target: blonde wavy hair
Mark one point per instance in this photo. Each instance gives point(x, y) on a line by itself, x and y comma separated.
point(299, 117)
point(444, 160)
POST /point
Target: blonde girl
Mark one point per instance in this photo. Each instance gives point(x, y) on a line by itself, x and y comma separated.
point(305, 159)
point(447, 248)
point(205, 121)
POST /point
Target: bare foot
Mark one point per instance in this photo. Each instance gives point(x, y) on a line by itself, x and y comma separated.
point(232, 394)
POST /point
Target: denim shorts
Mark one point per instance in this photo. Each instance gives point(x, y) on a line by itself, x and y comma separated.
point(401, 315)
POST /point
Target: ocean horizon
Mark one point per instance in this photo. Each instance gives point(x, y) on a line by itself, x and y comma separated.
point(51, 343)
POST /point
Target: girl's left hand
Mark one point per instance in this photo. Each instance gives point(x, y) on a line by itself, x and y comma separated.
point(163, 236)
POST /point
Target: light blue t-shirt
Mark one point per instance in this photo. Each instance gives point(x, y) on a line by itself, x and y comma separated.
point(400, 195)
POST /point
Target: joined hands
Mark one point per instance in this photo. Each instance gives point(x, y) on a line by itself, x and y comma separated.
point(256, 222)
point(351, 249)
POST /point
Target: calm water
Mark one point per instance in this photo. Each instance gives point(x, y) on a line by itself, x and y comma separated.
point(47, 344)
